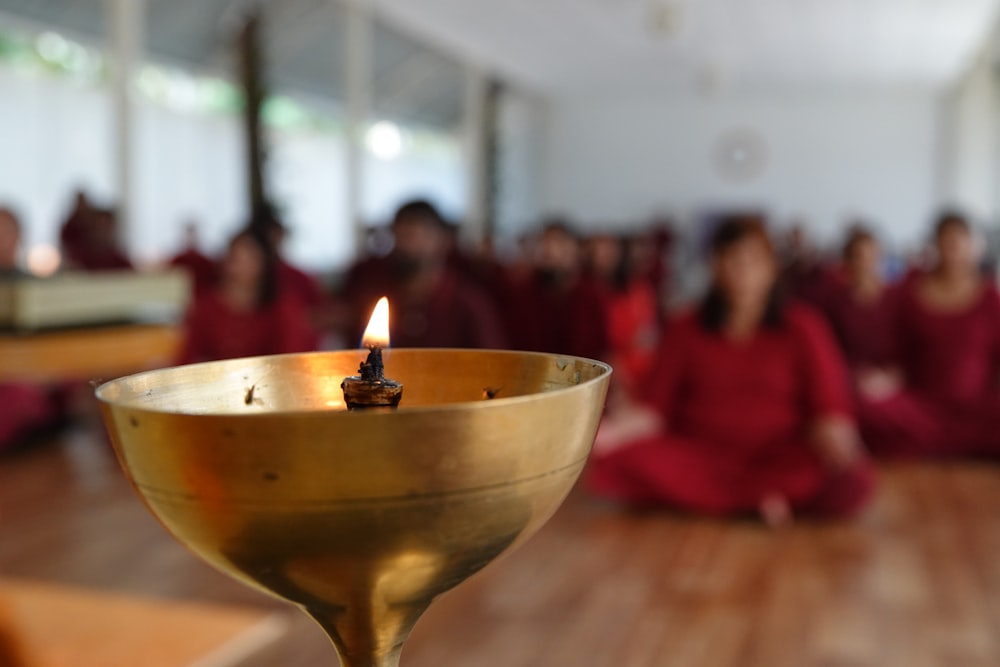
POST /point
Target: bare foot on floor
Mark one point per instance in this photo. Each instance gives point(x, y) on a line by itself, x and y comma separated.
point(775, 511)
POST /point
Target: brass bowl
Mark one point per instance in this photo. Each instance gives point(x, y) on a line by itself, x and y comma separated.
point(360, 518)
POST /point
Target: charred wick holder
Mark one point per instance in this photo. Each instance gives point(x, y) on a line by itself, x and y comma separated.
point(370, 388)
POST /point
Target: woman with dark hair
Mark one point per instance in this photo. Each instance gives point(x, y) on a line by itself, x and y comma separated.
point(749, 407)
point(247, 314)
point(948, 337)
point(862, 311)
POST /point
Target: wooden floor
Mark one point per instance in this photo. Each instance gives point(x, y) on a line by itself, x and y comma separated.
point(914, 583)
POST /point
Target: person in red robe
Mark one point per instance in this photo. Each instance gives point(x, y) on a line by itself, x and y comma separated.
point(431, 304)
point(630, 301)
point(748, 408)
point(803, 273)
point(247, 314)
point(76, 230)
point(862, 310)
point(558, 309)
point(304, 287)
point(99, 249)
point(650, 254)
point(948, 337)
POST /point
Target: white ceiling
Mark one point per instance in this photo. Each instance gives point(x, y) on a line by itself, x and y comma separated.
point(594, 45)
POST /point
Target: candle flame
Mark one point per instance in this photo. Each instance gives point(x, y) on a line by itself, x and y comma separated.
point(377, 332)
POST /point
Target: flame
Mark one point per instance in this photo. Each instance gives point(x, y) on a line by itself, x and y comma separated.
point(377, 333)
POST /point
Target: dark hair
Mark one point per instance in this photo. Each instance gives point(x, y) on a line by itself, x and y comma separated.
point(857, 235)
point(267, 222)
point(622, 275)
point(621, 272)
point(732, 230)
point(949, 219)
point(419, 209)
point(267, 288)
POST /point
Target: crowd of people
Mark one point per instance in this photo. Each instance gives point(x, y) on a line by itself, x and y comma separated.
point(770, 394)
point(595, 299)
point(773, 393)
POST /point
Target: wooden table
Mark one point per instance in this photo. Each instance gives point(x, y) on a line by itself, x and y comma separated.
point(86, 354)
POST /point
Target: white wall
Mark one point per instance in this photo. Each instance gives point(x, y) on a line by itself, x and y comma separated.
point(187, 169)
point(827, 157)
point(306, 174)
point(435, 173)
point(971, 142)
point(55, 136)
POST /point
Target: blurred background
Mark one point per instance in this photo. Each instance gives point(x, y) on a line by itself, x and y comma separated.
point(189, 180)
point(609, 111)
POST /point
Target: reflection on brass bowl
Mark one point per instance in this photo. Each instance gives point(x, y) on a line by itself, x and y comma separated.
point(360, 518)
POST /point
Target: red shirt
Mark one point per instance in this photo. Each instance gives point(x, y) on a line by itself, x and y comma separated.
point(455, 313)
point(866, 331)
point(560, 320)
point(300, 284)
point(214, 330)
point(749, 395)
point(203, 271)
point(633, 331)
point(950, 356)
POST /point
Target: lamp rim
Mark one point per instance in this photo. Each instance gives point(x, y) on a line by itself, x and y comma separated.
point(133, 403)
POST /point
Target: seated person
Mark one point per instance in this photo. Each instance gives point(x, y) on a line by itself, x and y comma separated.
point(75, 232)
point(100, 249)
point(431, 304)
point(861, 309)
point(305, 287)
point(803, 274)
point(558, 309)
point(246, 314)
point(948, 337)
point(748, 407)
point(633, 318)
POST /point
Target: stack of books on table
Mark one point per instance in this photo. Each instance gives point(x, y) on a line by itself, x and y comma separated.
point(86, 299)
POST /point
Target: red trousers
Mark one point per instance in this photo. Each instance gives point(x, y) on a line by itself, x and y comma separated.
point(682, 473)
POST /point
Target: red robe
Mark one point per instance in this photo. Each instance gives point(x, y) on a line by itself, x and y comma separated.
point(456, 313)
point(570, 320)
point(107, 258)
point(950, 405)
point(213, 330)
point(203, 271)
point(633, 332)
point(738, 415)
point(300, 284)
point(26, 409)
point(866, 331)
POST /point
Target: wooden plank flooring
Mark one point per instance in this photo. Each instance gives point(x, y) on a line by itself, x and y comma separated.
point(914, 583)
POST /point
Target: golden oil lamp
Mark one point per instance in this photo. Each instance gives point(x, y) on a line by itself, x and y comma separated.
point(360, 518)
